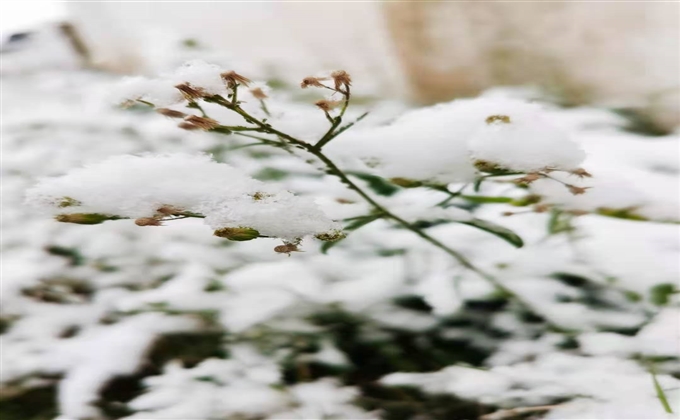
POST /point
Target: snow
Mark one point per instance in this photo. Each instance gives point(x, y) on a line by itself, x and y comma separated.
point(441, 143)
point(88, 316)
point(138, 186)
point(550, 377)
point(161, 91)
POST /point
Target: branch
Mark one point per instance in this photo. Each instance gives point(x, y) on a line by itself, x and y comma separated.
point(334, 170)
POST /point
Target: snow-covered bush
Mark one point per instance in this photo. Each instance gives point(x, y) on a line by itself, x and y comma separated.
point(467, 265)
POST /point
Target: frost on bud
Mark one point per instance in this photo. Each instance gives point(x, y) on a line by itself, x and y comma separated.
point(171, 113)
point(341, 78)
point(498, 119)
point(85, 218)
point(406, 183)
point(148, 221)
point(191, 93)
point(237, 234)
point(311, 81)
point(203, 123)
point(231, 78)
point(68, 202)
point(581, 173)
point(331, 236)
point(576, 190)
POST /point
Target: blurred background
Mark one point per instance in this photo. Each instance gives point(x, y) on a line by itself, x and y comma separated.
point(118, 322)
point(620, 54)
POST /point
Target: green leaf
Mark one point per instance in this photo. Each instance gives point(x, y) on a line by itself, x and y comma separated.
point(660, 294)
point(660, 394)
point(86, 218)
point(559, 222)
point(478, 183)
point(379, 185)
point(72, 254)
point(498, 230)
point(356, 223)
point(486, 199)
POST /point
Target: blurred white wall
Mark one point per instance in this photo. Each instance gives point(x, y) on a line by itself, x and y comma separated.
point(292, 40)
point(617, 53)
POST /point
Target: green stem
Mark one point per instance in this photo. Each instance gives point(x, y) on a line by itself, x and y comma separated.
point(332, 169)
point(452, 195)
point(264, 108)
point(343, 128)
point(195, 105)
point(335, 123)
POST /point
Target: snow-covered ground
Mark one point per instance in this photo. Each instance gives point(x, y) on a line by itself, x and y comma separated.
point(121, 321)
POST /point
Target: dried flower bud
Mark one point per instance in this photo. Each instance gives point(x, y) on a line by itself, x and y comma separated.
point(188, 126)
point(171, 113)
point(147, 221)
point(257, 196)
point(577, 212)
point(498, 119)
point(191, 93)
point(486, 166)
point(406, 183)
point(231, 78)
point(237, 234)
point(286, 249)
point(168, 210)
point(68, 202)
point(203, 123)
point(258, 93)
point(528, 178)
point(341, 78)
point(85, 218)
point(507, 213)
point(312, 81)
point(541, 208)
point(576, 190)
point(331, 236)
point(581, 173)
point(327, 105)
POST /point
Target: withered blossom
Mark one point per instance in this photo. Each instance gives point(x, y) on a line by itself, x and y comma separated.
point(312, 81)
point(188, 126)
point(189, 92)
point(204, 123)
point(231, 78)
point(148, 221)
point(341, 78)
point(576, 190)
point(581, 173)
point(327, 105)
point(171, 113)
point(258, 93)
